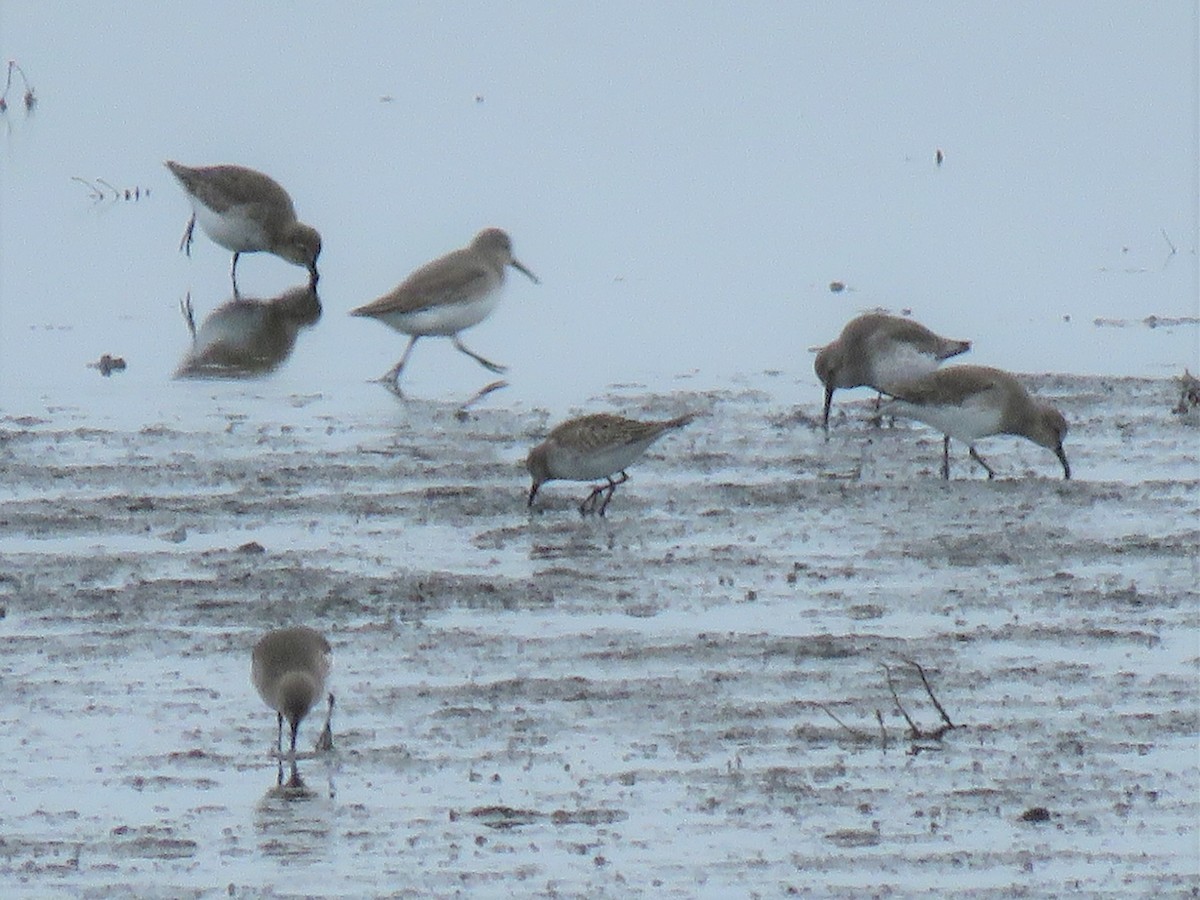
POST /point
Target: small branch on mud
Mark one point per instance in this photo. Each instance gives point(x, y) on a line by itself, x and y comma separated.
point(913, 730)
point(100, 188)
point(93, 192)
point(1169, 242)
point(853, 732)
point(929, 690)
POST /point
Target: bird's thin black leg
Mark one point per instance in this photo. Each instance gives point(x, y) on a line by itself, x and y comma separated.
point(979, 459)
point(391, 380)
point(589, 503)
point(185, 307)
point(186, 244)
point(233, 273)
point(612, 486)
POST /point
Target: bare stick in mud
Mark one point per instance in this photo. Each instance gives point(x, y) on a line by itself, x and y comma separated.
point(914, 730)
point(933, 697)
point(882, 729)
point(93, 192)
point(853, 732)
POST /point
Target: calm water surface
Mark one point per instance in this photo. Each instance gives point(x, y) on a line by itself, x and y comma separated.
point(687, 186)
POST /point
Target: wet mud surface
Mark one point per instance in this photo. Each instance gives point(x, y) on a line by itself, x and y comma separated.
point(695, 696)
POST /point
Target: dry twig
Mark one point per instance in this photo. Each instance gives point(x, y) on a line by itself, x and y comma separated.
point(915, 732)
point(929, 690)
point(853, 732)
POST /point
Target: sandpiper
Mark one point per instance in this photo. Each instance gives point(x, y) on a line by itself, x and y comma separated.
point(289, 668)
point(445, 296)
point(595, 446)
point(875, 350)
point(246, 211)
point(971, 402)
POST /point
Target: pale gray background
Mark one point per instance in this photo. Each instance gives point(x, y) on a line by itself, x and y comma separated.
point(686, 178)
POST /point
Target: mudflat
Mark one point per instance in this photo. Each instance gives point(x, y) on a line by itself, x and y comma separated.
point(780, 665)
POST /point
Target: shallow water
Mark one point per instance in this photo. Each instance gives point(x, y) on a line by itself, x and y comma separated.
point(636, 706)
point(643, 705)
point(687, 187)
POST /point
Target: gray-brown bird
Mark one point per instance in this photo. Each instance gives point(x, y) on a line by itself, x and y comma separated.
point(447, 296)
point(595, 446)
point(971, 402)
point(289, 667)
point(875, 350)
point(247, 212)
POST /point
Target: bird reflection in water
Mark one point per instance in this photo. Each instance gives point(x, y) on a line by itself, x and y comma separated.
point(244, 338)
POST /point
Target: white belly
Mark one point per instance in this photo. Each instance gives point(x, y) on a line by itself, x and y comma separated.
point(966, 423)
point(570, 465)
point(901, 362)
point(446, 319)
point(231, 229)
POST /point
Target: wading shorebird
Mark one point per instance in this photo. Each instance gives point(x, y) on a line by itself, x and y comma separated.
point(447, 296)
point(595, 446)
point(247, 212)
point(972, 402)
point(289, 668)
point(875, 350)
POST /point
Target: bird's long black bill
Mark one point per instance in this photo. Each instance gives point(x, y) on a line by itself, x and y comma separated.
point(1062, 458)
point(524, 271)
